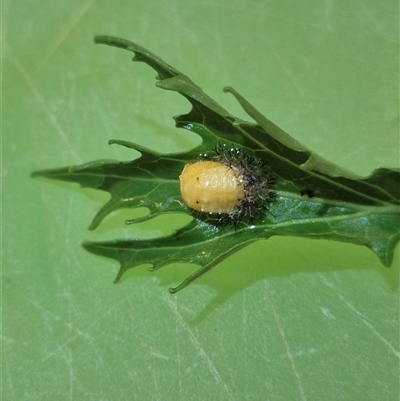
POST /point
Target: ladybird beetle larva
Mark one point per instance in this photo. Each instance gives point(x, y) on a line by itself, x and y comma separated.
point(211, 187)
point(232, 186)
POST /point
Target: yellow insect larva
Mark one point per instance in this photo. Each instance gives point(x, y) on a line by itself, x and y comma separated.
point(212, 187)
point(233, 187)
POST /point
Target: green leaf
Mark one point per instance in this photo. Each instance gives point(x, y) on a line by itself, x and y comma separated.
point(315, 198)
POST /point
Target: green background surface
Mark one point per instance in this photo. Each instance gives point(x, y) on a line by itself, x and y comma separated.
point(283, 319)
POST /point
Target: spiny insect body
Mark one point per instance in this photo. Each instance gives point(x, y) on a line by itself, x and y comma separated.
point(232, 186)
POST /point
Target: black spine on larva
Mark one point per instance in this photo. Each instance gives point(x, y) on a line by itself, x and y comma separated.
point(257, 182)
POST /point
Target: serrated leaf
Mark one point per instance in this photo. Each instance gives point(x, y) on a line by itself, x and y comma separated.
point(316, 198)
